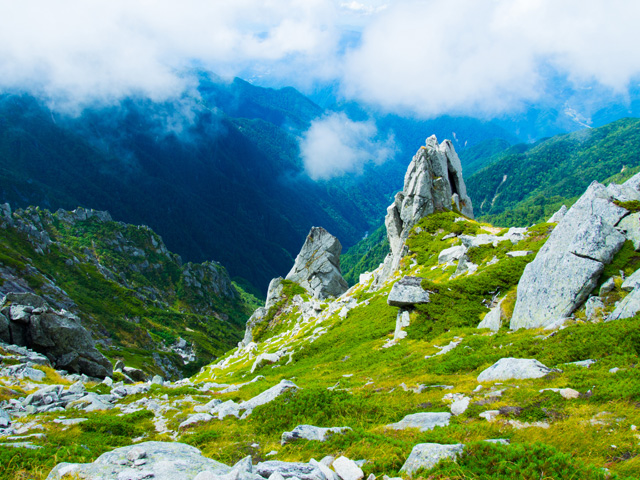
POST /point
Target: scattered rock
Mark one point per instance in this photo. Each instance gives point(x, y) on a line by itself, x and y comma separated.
point(514, 368)
point(519, 253)
point(309, 432)
point(427, 455)
point(317, 266)
point(490, 415)
point(407, 292)
point(302, 471)
point(630, 226)
point(593, 308)
point(196, 418)
point(424, 421)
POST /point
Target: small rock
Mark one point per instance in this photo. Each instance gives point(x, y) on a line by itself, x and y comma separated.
point(309, 432)
point(614, 370)
point(424, 421)
point(407, 292)
point(196, 418)
point(347, 469)
point(157, 380)
point(569, 393)
point(490, 415)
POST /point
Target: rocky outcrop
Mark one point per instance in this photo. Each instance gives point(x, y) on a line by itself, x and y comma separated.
point(157, 460)
point(433, 182)
point(514, 368)
point(30, 322)
point(568, 266)
point(317, 266)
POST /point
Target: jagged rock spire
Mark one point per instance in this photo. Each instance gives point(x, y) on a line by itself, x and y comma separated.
point(317, 266)
point(433, 182)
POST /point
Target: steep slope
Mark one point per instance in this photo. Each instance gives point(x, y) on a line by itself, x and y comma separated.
point(137, 298)
point(529, 183)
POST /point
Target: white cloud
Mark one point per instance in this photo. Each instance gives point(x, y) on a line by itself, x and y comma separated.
point(335, 145)
point(470, 56)
point(424, 57)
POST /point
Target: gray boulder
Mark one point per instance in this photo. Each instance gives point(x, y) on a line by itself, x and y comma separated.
point(427, 455)
point(628, 306)
point(407, 292)
point(631, 282)
point(433, 178)
point(317, 266)
point(347, 469)
point(424, 421)
point(593, 308)
point(567, 267)
point(493, 319)
point(5, 420)
point(162, 461)
point(630, 226)
point(57, 334)
point(514, 368)
point(309, 432)
point(452, 254)
point(268, 395)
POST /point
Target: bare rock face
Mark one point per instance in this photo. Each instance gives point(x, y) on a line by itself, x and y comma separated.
point(567, 267)
point(433, 182)
point(317, 266)
point(57, 334)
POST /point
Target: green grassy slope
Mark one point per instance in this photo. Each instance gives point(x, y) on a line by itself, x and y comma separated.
point(526, 187)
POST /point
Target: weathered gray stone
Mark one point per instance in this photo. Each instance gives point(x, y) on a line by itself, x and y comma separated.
point(135, 374)
point(631, 282)
point(196, 418)
point(559, 215)
point(402, 320)
point(164, 461)
point(567, 267)
point(5, 330)
point(424, 421)
point(407, 292)
point(427, 455)
point(519, 253)
point(5, 419)
point(157, 380)
point(593, 308)
point(630, 227)
point(514, 368)
point(628, 306)
point(302, 471)
point(317, 266)
point(607, 287)
point(433, 177)
point(309, 432)
point(268, 395)
point(452, 254)
point(347, 469)
point(493, 319)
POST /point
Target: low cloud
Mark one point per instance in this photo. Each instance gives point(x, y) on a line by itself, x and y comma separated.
point(335, 145)
point(477, 57)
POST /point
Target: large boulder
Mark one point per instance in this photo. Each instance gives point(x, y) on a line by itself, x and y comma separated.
point(57, 334)
point(567, 267)
point(157, 460)
point(433, 182)
point(427, 455)
point(407, 292)
point(514, 368)
point(317, 266)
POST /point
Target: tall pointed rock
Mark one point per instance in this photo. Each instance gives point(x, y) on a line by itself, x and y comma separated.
point(317, 266)
point(433, 182)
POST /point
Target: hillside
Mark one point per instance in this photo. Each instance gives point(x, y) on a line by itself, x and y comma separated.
point(528, 183)
point(136, 297)
point(417, 362)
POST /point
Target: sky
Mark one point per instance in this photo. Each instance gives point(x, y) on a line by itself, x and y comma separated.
point(420, 58)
